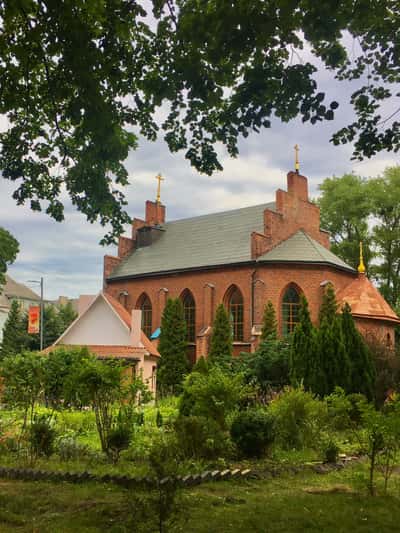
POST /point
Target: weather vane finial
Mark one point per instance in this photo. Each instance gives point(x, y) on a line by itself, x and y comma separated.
point(361, 266)
point(160, 179)
point(296, 161)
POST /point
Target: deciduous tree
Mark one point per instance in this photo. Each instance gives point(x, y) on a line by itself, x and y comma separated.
point(9, 249)
point(346, 205)
point(76, 80)
point(384, 192)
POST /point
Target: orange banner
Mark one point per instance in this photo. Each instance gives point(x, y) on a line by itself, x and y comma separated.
point(34, 319)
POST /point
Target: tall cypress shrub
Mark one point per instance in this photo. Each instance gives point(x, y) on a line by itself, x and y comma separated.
point(335, 369)
point(362, 368)
point(269, 326)
point(329, 306)
point(14, 335)
point(304, 361)
point(221, 347)
point(173, 363)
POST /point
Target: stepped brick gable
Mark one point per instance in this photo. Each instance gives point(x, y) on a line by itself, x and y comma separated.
point(243, 258)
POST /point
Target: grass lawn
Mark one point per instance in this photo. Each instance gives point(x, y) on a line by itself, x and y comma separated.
point(306, 502)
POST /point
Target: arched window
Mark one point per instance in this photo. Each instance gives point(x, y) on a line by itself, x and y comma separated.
point(189, 309)
point(235, 308)
point(145, 306)
point(290, 310)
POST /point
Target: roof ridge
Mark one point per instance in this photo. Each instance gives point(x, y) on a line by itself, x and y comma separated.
point(313, 242)
point(281, 242)
point(119, 309)
point(266, 204)
point(320, 253)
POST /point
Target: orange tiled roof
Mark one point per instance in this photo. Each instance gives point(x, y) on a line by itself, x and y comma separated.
point(120, 309)
point(366, 301)
point(149, 345)
point(105, 352)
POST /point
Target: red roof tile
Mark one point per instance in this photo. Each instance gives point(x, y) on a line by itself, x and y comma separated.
point(149, 345)
point(126, 317)
point(120, 309)
point(102, 351)
point(366, 301)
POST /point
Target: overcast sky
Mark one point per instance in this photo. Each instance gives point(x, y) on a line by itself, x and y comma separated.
point(68, 255)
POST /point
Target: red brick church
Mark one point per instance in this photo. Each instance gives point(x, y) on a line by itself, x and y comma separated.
point(274, 251)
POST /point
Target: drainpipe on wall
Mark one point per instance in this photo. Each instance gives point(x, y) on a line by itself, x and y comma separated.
point(252, 299)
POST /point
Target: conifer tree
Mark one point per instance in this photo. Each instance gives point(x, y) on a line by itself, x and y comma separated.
point(201, 366)
point(14, 337)
point(362, 367)
point(221, 349)
point(269, 326)
point(329, 306)
point(173, 364)
point(304, 360)
point(67, 315)
point(335, 368)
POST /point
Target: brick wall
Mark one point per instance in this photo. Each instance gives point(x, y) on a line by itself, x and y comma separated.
point(257, 283)
point(209, 288)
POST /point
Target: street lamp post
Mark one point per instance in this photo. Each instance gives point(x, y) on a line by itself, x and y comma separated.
point(41, 309)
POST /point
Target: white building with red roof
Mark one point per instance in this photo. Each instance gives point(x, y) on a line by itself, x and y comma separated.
point(109, 331)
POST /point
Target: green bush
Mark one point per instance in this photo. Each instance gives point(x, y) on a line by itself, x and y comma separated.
point(118, 439)
point(82, 422)
point(344, 410)
point(268, 367)
point(213, 395)
point(300, 418)
point(253, 432)
point(200, 437)
point(331, 452)
point(42, 435)
point(69, 449)
point(120, 434)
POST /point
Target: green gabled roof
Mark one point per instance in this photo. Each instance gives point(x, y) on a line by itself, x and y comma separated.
point(203, 241)
point(219, 239)
point(301, 248)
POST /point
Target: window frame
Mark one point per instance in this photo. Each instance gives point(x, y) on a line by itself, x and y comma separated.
point(236, 314)
point(189, 312)
point(146, 307)
point(290, 310)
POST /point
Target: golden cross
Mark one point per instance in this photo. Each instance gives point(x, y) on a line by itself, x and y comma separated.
point(296, 163)
point(160, 179)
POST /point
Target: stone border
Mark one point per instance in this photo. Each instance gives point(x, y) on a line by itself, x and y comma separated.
point(30, 474)
point(318, 467)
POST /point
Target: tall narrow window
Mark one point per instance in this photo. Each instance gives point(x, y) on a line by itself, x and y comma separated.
point(290, 310)
point(236, 314)
point(189, 308)
point(147, 315)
